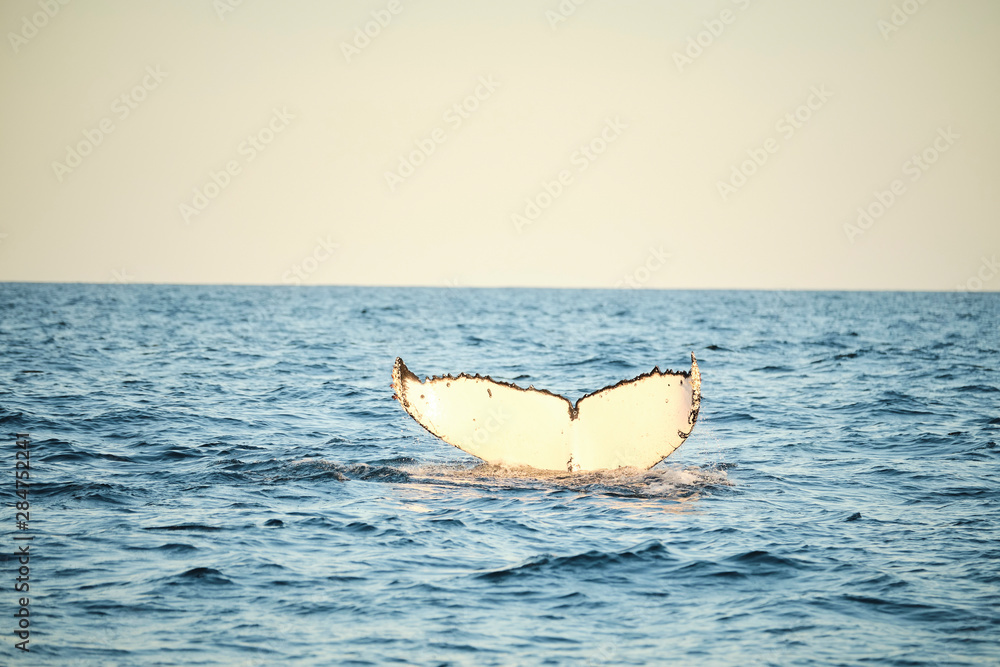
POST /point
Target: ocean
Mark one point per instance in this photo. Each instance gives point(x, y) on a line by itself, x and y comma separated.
point(220, 476)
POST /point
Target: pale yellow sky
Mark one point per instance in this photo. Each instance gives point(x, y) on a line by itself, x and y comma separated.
point(583, 143)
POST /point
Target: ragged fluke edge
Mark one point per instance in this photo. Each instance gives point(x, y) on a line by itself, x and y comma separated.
point(636, 422)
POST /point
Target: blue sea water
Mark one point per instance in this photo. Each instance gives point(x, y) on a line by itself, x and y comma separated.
point(220, 476)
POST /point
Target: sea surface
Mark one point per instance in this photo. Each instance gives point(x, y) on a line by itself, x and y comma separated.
point(220, 476)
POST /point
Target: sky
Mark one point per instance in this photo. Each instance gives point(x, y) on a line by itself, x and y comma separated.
point(717, 144)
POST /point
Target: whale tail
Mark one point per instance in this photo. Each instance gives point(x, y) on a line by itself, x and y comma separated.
point(636, 422)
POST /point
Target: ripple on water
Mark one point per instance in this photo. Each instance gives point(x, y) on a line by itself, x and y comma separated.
point(220, 476)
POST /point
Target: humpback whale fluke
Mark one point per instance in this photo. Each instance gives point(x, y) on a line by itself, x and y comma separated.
point(636, 422)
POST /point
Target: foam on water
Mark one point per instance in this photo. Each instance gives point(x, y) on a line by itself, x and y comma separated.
point(663, 481)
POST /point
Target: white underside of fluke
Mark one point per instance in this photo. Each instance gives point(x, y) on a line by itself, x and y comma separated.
point(636, 422)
